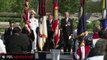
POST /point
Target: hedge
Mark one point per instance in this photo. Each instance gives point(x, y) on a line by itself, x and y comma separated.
point(6, 19)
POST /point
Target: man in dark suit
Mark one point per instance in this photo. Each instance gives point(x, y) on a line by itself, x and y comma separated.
point(67, 30)
point(18, 42)
point(50, 32)
point(9, 30)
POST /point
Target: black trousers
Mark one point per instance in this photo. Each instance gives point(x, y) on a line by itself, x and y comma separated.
point(67, 44)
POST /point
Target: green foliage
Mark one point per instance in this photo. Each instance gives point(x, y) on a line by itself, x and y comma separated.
point(49, 5)
point(6, 19)
point(68, 5)
point(89, 25)
point(93, 6)
point(92, 24)
point(71, 6)
point(75, 23)
point(33, 4)
point(18, 6)
point(11, 6)
point(2, 30)
point(5, 5)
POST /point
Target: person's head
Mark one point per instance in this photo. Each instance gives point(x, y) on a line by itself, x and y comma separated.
point(32, 14)
point(66, 14)
point(96, 29)
point(105, 56)
point(100, 47)
point(11, 23)
point(50, 17)
point(17, 30)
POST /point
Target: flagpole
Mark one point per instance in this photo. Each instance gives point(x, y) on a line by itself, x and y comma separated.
point(106, 8)
point(104, 15)
point(56, 36)
point(42, 24)
point(81, 31)
point(26, 16)
point(55, 24)
point(82, 22)
point(42, 29)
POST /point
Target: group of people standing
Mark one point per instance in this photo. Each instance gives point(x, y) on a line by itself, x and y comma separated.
point(18, 40)
point(24, 40)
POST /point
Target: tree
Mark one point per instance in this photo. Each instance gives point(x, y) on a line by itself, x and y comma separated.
point(18, 6)
point(49, 5)
point(71, 6)
point(93, 6)
point(5, 5)
point(68, 5)
point(33, 4)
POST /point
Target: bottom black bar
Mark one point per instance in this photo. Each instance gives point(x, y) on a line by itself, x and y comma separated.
point(17, 56)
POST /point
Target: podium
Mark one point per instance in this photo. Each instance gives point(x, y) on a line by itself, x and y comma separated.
point(55, 54)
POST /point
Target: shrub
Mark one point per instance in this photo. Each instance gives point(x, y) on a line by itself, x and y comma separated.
point(6, 19)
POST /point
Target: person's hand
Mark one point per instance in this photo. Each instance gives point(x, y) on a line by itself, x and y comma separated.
point(68, 24)
point(69, 37)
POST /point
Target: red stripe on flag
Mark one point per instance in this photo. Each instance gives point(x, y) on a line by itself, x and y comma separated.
point(56, 30)
point(26, 14)
point(82, 2)
point(42, 9)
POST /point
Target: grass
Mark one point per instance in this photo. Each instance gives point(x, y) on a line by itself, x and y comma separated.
point(2, 30)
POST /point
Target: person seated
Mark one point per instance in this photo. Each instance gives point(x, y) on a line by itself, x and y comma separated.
point(18, 42)
point(98, 52)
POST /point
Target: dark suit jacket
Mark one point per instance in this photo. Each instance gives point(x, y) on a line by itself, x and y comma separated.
point(49, 29)
point(7, 33)
point(67, 30)
point(49, 42)
point(25, 31)
point(18, 43)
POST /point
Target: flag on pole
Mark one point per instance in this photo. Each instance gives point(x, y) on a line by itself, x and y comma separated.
point(42, 9)
point(104, 14)
point(81, 31)
point(104, 7)
point(82, 21)
point(55, 24)
point(26, 15)
point(26, 10)
point(42, 25)
point(103, 4)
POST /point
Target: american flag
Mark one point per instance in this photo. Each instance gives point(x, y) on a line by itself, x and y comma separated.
point(26, 15)
point(55, 24)
point(81, 31)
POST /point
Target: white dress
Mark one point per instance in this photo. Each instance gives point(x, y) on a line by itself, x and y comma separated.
point(2, 47)
point(33, 26)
